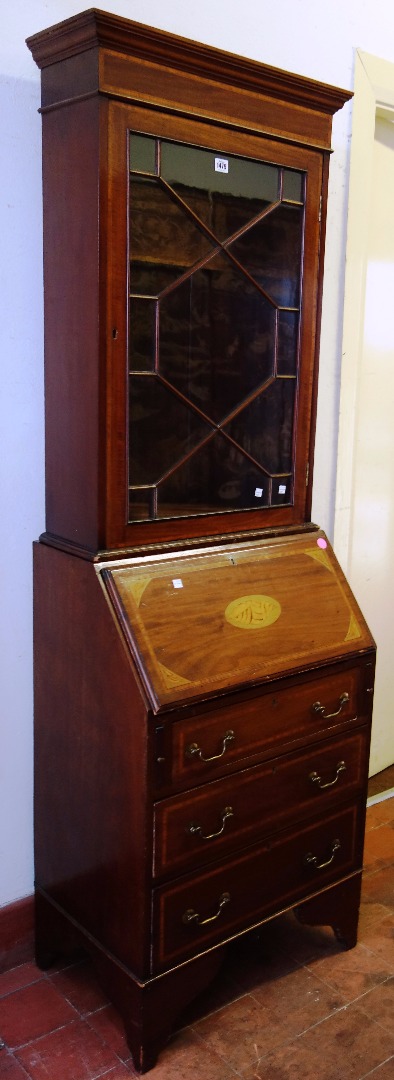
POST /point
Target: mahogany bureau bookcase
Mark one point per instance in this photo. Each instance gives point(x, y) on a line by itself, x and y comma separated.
point(203, 675)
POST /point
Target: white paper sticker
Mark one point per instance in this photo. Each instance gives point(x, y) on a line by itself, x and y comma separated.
point(282, 489)
point(177, 583)
point(258, 492)
point(221, 165)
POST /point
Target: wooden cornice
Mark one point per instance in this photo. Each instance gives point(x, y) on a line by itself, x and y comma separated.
point(94, 29)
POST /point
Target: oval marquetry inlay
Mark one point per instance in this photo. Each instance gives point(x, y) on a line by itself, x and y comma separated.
point(253, 612)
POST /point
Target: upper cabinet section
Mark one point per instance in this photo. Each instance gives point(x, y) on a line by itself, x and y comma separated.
point(184, 211)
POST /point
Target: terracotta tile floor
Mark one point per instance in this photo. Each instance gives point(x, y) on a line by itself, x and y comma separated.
point(288, 1004)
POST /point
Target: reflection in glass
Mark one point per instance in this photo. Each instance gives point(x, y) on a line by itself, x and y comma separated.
point(163, 430)
point(142, 334)
point(287, 342)
point(293, 185)
point(215, 361)
point(264, 429)
point(218, 478)
point(271, 252)
point(196, 168)
point(281, 491)
point(163, 236)
point(225, 201)
point(142, 153)
point(142, 504)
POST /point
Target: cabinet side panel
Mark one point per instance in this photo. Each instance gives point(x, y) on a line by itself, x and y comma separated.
point(72, 362)
point(92, 829)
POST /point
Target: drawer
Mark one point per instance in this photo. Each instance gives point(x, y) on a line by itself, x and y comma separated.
point(193, 913)
point(204, 824)
point(214, 743)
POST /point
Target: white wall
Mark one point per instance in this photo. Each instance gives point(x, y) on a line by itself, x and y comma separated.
point(313, 39)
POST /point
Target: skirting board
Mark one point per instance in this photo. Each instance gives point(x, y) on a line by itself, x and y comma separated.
point(389, 794)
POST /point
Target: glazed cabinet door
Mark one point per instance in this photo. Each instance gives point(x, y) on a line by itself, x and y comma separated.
point(213, 248)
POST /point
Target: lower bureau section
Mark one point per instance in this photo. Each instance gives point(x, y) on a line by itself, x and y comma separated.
point(191, 914)
point(193, 821)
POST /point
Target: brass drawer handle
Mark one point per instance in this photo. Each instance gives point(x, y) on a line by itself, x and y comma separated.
point(194, 750)
point(316, 779)
point(193, 916)
point(196, 830)
point(317, 707)
point(311, 860)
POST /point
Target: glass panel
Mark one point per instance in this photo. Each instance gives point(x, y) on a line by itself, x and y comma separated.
point(293, 185)
point(281, 491)
point(216, 478)
point(271, 252)
point(231, 190)
point(162, 236)
point(265, 428)
point(142, 335)
point(163, 429)
point(142, 153)
point(287, 342)
point(216, 338)
point(217, 172)
point(150, 280)
point(141, 504)
point(200, 322)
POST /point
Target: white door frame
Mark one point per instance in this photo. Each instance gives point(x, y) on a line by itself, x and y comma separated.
point(373, 95)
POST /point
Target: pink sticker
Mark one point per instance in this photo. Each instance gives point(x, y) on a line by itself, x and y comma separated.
point(322, 543)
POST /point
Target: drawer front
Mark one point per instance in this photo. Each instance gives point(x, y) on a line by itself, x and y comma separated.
point(210, 745)
point(194, 913)
point(212, 820)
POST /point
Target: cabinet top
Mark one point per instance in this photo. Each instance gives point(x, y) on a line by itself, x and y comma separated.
point(94, 28)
